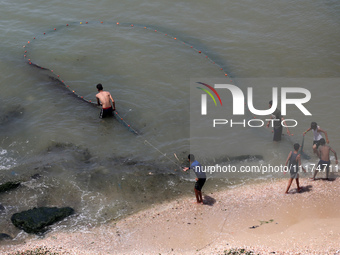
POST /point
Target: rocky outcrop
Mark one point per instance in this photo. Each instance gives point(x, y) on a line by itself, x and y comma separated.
point(37, 219)
point(4, 236)
point(9, 186)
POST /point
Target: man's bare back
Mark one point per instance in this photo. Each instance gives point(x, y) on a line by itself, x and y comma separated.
point(104, 98)
point(324, 152)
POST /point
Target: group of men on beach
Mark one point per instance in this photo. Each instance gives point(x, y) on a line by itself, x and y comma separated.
point(293, 161)
point(294, 158)
point(319, 148)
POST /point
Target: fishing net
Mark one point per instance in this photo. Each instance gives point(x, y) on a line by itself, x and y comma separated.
point(69, 47)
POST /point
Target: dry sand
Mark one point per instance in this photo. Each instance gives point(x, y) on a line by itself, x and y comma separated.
point(258, 217)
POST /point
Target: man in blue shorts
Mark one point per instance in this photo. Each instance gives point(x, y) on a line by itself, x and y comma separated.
point(200, 177)
point(323, 154)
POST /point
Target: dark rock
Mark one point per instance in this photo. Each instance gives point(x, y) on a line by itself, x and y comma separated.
point(36, 176)
point(37, 219)
point(2, 208)
point(4, 236)
point(9, 186)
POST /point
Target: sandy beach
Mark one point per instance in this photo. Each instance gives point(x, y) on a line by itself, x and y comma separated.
point(257, 217)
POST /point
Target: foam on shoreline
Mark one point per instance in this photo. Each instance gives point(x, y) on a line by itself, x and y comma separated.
point(258, 217)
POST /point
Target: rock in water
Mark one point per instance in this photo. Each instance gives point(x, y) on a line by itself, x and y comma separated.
point(4, 236)
point(8, 186)
point(37, 219)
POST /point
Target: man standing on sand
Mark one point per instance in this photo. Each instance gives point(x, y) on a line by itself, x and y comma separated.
point(104, 99)
point(294, 159)
point(323, 154)
point(200, 177)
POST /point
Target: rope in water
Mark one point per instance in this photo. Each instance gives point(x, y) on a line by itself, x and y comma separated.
point(163, 154)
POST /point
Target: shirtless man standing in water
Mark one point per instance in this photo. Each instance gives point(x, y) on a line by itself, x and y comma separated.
point(323, 154)
point(104, 99)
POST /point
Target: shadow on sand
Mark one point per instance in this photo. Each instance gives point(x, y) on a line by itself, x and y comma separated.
point(303, 189)
point(207, 200)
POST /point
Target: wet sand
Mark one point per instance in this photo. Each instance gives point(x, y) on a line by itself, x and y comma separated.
point(258, 217)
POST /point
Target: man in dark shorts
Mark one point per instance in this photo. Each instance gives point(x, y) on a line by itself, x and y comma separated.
point(323, 154)
point(277, 126)
point(104, 99)
point(317, 135)
point(200, 177)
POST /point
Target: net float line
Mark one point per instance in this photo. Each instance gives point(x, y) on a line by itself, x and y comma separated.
point(58, 78)
point(117, 24)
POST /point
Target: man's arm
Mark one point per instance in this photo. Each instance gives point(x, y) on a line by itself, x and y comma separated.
point(284, 122)
point(336, 157)
point(289, 155)
point(323, 131)
point(306, 131)
point(270, 120)
point(299, 162)
point(98, 101)
point(113, 101)
point(111, 98)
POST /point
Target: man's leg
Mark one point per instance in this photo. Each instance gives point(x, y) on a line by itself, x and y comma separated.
point(197, 195)
point(327, 171)
point(289, 183)
point(298, 184)
point(200, 196)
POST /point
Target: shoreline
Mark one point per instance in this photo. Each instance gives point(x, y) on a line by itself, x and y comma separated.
point(258, 217)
